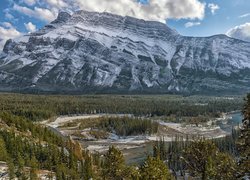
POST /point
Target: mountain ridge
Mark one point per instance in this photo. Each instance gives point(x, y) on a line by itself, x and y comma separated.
point(90, 52)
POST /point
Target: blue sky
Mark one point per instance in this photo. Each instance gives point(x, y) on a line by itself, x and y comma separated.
point(188, 17)
point(225, 18)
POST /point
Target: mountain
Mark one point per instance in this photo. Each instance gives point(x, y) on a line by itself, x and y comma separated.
point(100, 52)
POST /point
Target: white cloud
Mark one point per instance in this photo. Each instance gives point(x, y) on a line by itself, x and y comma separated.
point(9, 16)
point(39, 13)
point(30, 2)
point(213, 7)
point(244, 15)
point(158, 10)
point(7, 33)
point(7, 25)
point(191, 24)
point(23, 10)
point(30, 27)
point(240, 32)
point(46, 14)
point(57, 3)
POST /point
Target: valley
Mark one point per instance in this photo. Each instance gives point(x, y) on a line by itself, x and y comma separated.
point(136, 147)
point(124, 90)
point(64, 130)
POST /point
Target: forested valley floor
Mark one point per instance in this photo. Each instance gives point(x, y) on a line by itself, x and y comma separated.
point(29, 150)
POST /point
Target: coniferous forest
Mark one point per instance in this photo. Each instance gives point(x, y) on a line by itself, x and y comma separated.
point(40, 107)
point(29, 148)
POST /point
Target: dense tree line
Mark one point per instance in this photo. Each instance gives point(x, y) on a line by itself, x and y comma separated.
point(228, 144)
point(120, 125)
point(126, 126)
point(25, 144)
point(114, 168)
point(22, 124)
point(222, 158)
point(201, 158)
point(40, 107)
point(28, 147)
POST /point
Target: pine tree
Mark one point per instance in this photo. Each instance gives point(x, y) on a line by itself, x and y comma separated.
point(221, 167)
point(132, 172)
point(88, 167)
point(20, 167)
point(203, 158)
point(196, 157)
point(114, 164)
point(155, 169)
point(33, 168)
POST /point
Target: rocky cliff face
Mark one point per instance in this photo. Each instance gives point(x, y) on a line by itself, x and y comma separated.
point(101, 52)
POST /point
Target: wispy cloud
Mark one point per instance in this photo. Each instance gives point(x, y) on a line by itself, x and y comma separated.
point(244, 15)
point(7, 25)
point(39, 13)
point(191, 24)
point(57, 3)
point(213, 7)
point(29, 2)
point(8, 16)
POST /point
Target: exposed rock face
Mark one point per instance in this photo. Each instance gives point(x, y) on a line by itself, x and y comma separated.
point(101, 52)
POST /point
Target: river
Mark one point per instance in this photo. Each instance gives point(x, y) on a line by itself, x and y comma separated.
point(232, 120)
point(139, 153)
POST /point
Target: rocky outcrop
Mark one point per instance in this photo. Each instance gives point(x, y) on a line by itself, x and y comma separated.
point(101, 52)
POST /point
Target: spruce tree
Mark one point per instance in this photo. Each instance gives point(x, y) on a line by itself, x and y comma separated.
point(114, 164)
point(154, 169)
point(221, 167)
point(196, 157)
point(20, 167)
point(88, 167)
point(203, 159)
point(33, 168)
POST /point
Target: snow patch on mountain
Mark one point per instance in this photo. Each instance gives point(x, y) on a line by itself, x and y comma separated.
point(102, 52)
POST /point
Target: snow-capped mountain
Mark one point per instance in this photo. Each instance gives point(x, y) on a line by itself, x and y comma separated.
point(101, 52)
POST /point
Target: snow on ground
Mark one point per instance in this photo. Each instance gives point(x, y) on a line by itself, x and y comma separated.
point(65, 119)
point(170, 131)
point(207, 132)
point(103, 148)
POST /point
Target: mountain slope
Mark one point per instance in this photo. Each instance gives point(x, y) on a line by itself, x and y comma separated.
point(101, 52)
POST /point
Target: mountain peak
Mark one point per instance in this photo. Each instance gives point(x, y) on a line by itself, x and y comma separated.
point(103, 52)
point(98, 17)
point(62, 17)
